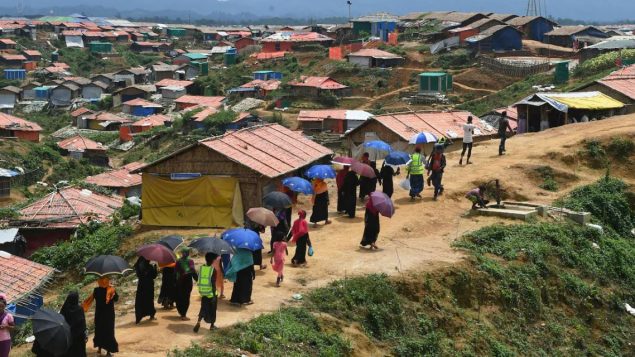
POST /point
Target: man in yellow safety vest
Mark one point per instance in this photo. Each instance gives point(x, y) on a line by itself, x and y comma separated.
point(208, 292)
point(416, 168)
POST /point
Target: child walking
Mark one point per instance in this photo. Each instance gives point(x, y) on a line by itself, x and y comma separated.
point(278, 258)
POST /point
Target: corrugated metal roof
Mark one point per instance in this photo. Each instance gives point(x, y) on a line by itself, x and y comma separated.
point(80, 143)
point(173, 83)
point(297, 37)
point(120, 178)
point(374, 53)
point(14, 123)
point(271, 84)
point(570, 30)
point(624, 86)
point(215, 102)
point(139, 102)
point(271, 150)
point(317, 82)
point(339, 114)
point(449, 124)
point(69, 207)
point(21, 277)
point(8, 235)
point(152, 121)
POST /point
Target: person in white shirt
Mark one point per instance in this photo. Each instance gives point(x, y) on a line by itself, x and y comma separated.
point(468, 132)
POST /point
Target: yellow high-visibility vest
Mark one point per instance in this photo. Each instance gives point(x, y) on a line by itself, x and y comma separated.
point(416, 166)
point(206, 285)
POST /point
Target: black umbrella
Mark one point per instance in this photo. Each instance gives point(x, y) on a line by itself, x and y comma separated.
point(172, 241)
point(107, 265)
point(277, 200)
point(212, 245)
point(51, 331)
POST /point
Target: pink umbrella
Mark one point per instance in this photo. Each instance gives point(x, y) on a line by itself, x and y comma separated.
point(157, 253)
point(363, 169)
point(343, 160)
point(382, 203)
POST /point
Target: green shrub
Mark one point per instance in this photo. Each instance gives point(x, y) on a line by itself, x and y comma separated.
point(288, 332)
point(547, 175)
point(89, 241)
point(602, 62)
point(129, 210)
point(621, 148)
point(370, 300)
point(70, 170)
point(607, 201)
point(454, 59)
point(198, 351)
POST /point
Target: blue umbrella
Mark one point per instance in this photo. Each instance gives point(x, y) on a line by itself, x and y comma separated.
point(378, 145)
point(243, 238)
point(298, 184)
point(321, 172)
point(397, 158)
point(423, 138)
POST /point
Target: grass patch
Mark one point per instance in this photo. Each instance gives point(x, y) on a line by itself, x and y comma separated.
point(506, 96)
point(547, 175)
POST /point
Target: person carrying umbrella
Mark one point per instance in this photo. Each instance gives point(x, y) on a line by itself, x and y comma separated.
point(349, 193)
point(207, 289)
point(104, 296)
point(241, 272)
point(436, 166)
point(415, 173)
point(185, 272)
point(320, 202)
point(385, 179)
point(365, 183)
point(52, 334)
point(281, 230)
point(6, 325)
point(167, 293)
point(76, 319)
point(258, 228)
point(144, 298)
point(339, 181)
point(371, 225)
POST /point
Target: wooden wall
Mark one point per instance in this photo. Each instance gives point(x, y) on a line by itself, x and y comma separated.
point(207, 162)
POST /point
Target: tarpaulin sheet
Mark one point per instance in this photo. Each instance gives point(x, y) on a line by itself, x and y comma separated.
point(201, 202)
point(574, 100)
point(597, 101)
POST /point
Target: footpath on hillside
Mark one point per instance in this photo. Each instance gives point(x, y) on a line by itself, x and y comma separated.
point(418, 237)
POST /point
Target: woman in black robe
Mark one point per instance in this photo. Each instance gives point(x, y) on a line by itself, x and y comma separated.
point(74, 316)
point(167, 294)
point(385, 175)
point(349, 192)
point(257, 228)
point(105, 297)
point(241, 272)
point(320, 203)
point(185, 272)
point(300, 235)
point(371, 226)
point(144, 299)
point(281, 230)
point(372, 185)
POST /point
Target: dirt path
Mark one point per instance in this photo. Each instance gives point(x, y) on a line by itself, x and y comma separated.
point(386, 95)
point(419, 236)
point(472, 89)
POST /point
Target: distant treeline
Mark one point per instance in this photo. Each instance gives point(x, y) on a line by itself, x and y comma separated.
point(244, 22)
point(567, 21)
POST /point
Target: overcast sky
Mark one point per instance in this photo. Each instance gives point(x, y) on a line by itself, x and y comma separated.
point(605, 10)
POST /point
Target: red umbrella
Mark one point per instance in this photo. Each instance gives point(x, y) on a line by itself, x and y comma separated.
point(262, 216)
point(157, 253)
point(363, 169)
point(343, 160)
point(382, 203)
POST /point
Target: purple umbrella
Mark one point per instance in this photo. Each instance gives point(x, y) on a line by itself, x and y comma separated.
point(382, 203)
point(343, 160)
point(363, 169)
point(157, 253)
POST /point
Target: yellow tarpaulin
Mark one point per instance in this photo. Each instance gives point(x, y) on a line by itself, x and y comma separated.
point(200, 202)
point(596, 101)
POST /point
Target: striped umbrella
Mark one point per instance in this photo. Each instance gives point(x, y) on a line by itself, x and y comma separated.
point(423, 138)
